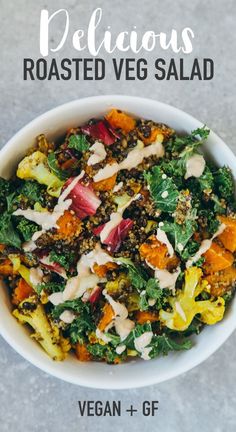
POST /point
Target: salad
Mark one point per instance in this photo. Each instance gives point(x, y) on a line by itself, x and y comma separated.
point(118, 240)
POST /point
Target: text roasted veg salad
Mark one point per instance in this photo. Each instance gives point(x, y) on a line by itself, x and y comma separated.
point(118, 240)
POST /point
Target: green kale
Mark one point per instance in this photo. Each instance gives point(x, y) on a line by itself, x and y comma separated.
point(180, 234)
point(137, 276)
point(224, 183)
point(103, 352)
point(190, 250)
point(188, 143)
point(64, 260)
point(76, 306)
point(163, 189)
point(163, 344)
point(78, 142)
point(5, 191)
point(206, 180)
point(80, 327)
point(27, 228)
point(54, 167)
point(154, 292)
point(51, 287)
point(8, 234)
point(209, 220)
point(33, 191)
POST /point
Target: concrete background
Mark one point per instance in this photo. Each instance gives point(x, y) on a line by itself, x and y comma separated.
point(204, 398)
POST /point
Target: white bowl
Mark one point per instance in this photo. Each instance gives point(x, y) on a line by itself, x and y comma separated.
point(136, 373)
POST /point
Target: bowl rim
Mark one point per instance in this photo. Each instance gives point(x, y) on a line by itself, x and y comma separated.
point(49, 368)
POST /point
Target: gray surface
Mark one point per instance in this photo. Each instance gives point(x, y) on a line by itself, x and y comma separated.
point(205, 397)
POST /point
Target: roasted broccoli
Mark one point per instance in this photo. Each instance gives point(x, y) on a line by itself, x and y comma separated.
point(35, 167)
point(31, 312)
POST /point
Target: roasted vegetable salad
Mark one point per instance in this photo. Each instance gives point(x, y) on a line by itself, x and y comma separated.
point(118, 240)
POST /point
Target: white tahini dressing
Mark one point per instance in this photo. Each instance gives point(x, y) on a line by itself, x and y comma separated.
point(99, 153)
point(118, 187)
point(36, 276)
point(167, 279)
point(67, 316)
point(120, 349)
point(135, 157)
point(162, 237)
point(195, 166)
point(141, 344)
point(205, 245)
point(48, 220)
point(56, 298)
point(115, 219)
point(78, 285)
point(122, 324)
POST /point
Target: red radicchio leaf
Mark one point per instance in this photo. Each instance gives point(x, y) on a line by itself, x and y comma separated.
point(101, 130)
point(117, 234)
point(95, 294)
point(52, 266)
point(84, 200)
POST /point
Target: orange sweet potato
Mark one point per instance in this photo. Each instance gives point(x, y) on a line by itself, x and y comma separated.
point(106, 184)
point(108, 315)
point(217, 258)
point(6, 268)
point(144, 316)
point(222, 281)
point(228, 237)
point(69, 225)
point(21, 292)
point(82, 353)
point(121, 120)
point(101, 270)
point(156, 253)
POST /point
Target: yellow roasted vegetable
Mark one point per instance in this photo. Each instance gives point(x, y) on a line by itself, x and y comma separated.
point(35, 167)
point(31, 312)
point(21, 269)
point(185, 306)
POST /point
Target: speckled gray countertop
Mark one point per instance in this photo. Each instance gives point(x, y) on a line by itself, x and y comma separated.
point(204, 398)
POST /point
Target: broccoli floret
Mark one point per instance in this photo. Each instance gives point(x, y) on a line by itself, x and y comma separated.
point(35, 167)
point(31, 312)
point(224, 183)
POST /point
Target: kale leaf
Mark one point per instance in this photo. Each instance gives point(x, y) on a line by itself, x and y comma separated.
point(76, 306)
point(78, 142)
point(163, 189)
point(64, 260)
point(33, 191)
point(54, 167)
point(80, 327)
point(163, 344)
point(188, 143)
point(137, 276)
point(8, 234)
point(51, 287)
point(224, 183)
point(180, 234)
point(27, 228)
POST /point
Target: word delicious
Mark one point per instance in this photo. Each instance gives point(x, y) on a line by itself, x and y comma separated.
point(124, 41)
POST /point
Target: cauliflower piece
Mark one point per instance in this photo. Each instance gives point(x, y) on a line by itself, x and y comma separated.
point(35, 167)
point(185, 307)
point(31, 312)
